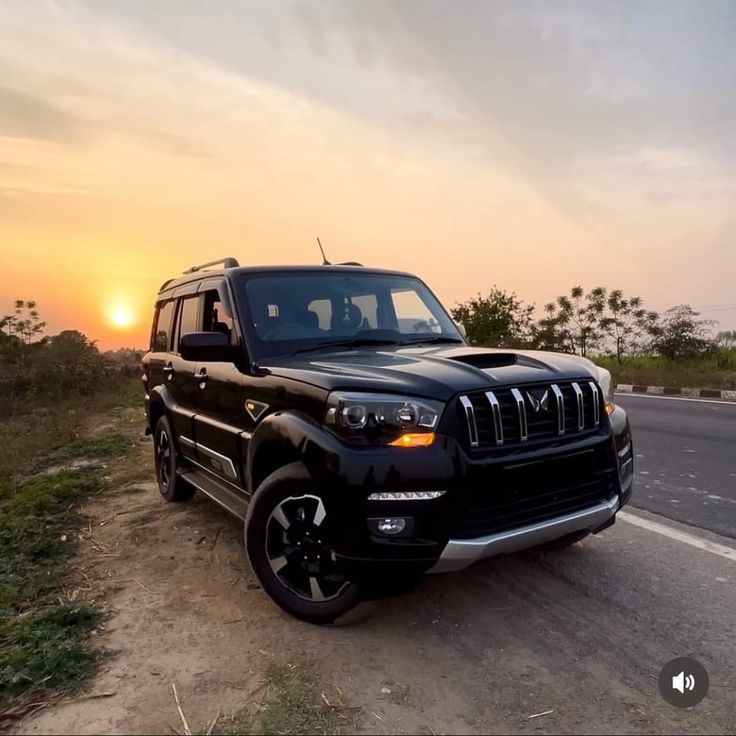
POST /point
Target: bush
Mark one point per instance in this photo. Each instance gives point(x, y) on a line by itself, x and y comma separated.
point(67, 364)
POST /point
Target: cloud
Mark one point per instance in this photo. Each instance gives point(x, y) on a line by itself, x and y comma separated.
point(539, 89)
point(26, 115)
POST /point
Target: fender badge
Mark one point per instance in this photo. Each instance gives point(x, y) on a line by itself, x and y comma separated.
point(255, 409)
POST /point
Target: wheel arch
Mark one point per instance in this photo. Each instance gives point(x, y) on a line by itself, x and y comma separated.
point(159, 405)
point(283, 438)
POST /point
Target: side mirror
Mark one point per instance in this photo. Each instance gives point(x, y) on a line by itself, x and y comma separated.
point(212, 347)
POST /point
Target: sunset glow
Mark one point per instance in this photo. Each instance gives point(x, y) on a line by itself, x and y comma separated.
point(120, 317)
point(369, 129)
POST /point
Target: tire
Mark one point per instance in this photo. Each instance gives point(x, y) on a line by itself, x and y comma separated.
point(166, 458)
point(567, 541)
point(287, 543)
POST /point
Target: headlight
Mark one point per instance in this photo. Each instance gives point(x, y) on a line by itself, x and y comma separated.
point(383, 419)
point(606, 384)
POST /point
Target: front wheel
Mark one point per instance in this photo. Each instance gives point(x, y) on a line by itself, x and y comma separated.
point(287, 540)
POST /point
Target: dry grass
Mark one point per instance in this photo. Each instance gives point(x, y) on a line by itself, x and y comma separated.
point(718, 371)
point(34, 430)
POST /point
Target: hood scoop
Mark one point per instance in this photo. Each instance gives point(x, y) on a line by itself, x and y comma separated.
point(487, 360)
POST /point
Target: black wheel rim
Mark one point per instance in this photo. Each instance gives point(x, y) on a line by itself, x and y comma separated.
point(298, 551)
point(163, 459)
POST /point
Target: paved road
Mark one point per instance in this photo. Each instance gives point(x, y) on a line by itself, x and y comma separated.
point(685, 460)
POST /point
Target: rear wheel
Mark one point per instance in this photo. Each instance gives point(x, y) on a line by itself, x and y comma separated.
point(171, 486)
point(288, 542)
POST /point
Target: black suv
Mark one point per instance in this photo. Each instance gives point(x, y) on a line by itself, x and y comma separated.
point(339, 412)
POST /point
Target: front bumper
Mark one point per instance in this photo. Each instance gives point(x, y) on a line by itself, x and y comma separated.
point(448, 533)
point(459, 553)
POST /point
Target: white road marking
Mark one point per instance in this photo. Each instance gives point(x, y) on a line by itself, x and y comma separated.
point(721, 402)
point(667, 531)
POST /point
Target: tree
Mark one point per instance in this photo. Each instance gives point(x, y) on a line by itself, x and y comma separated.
point(24, 323)
point(573, 323)
point(726, 339)
point(550, 332)
point(627, 324)
point(680, 334)
point(497, 320)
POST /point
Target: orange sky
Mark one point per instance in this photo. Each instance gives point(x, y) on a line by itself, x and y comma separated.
point(127, 156)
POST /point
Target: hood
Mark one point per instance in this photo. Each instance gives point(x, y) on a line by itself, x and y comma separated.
point(437, 372)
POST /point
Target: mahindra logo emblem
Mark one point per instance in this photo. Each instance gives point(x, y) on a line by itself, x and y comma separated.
point(538, 400)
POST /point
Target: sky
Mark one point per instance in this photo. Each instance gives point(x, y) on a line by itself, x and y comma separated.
point(534, 146)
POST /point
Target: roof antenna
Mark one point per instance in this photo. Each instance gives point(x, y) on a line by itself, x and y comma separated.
point(325, 262)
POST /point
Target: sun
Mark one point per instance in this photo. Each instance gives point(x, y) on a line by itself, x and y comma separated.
point(120, 316)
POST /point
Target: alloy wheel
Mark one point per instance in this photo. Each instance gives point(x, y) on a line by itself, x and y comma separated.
point(298, 551)
point(163, 459)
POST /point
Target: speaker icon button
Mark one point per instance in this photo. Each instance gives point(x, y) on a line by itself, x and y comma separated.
point(683, 682)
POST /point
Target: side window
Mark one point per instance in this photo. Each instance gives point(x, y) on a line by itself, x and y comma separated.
point(161, 338)
point(216, 317)
point(412, 313)
point(189, 319)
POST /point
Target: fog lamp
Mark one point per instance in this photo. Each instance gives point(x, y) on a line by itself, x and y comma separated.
point(391, 526)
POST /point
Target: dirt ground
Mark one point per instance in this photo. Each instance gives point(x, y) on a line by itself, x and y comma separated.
point(185, 610)
point(536, 643)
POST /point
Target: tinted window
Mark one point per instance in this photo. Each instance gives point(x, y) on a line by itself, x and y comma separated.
point(162, 329)
point(412, 313)
point(189, 320)
point(297, 310)
point(216, 317)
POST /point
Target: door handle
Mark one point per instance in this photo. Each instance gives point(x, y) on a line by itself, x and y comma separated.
point(202, 378)
point(168, 371)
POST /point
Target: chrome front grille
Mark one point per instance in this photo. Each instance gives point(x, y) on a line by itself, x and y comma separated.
point(516, 415)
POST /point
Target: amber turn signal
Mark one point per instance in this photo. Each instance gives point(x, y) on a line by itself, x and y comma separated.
point(414, 439)
point(609, 408)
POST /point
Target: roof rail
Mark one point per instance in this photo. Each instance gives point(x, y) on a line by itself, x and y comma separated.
point(226, 263)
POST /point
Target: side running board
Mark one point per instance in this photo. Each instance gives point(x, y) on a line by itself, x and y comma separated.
point(236, 502)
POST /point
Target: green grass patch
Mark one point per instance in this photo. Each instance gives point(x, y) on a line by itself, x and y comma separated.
point(293, 705)
point(41, 641)
point(45, 651)
point(97, 447)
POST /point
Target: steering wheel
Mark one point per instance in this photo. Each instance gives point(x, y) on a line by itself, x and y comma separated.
point(289, 331)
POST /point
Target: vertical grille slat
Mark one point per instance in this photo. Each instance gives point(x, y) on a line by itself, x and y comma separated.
point(496, 410)
point(560, 401)
point(596, 403)
point(581, 407)
point(510, 416)
point(470, 418)
point(521, 408)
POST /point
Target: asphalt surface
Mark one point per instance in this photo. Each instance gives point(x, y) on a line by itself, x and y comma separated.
point(572, 641)
point(685, 466)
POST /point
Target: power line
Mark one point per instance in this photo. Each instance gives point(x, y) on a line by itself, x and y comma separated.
point(730, 308)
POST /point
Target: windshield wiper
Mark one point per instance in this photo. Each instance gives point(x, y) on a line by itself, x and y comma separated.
point(355, 342)
point(434, 340)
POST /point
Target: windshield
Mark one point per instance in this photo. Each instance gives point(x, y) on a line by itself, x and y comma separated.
point(301, 311)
